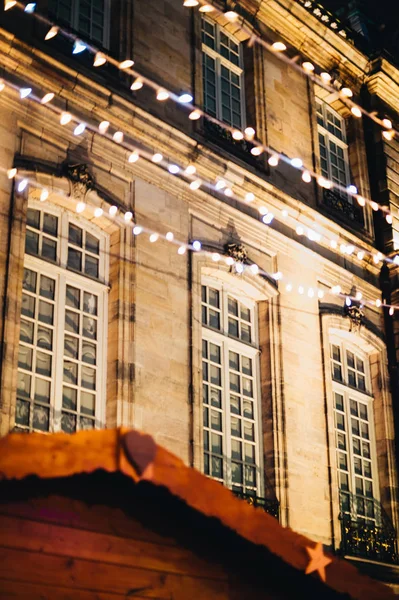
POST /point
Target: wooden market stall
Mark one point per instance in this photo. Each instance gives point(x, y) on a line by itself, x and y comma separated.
point(111, 515)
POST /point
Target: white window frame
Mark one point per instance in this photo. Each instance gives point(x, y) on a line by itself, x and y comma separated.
point(74, 23)
point(250, 350)
point(63, 276)
point(350, 393)
point(221, 60)
point(330, 136)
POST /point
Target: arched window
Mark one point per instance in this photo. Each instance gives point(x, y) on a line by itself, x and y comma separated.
point(61, 362)
point(354, 432)
point(230, 376)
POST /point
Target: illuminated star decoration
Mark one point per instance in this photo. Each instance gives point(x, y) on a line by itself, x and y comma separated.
point(318, 561)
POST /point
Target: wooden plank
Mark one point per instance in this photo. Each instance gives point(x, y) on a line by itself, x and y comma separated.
point(69, 572)
point(66, 541)
point(12, 590)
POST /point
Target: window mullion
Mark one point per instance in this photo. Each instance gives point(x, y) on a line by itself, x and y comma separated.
point(56, 400)
point(226, 417)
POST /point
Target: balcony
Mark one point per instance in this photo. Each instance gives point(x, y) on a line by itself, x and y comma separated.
point(340, 206)
point(223, 138)
point(268, 505)
point(366, 530)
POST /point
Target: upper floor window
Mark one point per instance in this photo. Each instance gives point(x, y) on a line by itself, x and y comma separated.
point(63, 327)
point(333, 146)
point(223, 75)
point(89, 17)
point(354, 431)
point(230, 375)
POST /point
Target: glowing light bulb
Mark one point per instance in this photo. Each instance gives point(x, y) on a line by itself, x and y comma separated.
point(288, 287)
point(169, 236)
point(47, 98)
point(118, 137)
point(263, 210)
point(361, 201)
point(133, 157)
point(220, 184)
point(374, 206)
point(389, 135)
point(99, 60)
point(320, 294)
point(206, 8)
point(2, 85)
point(137, 84)
point(196, 184)
point(350, 249)
point(267, 219)
point(11, 173)
point(284, 213)
point(78, 47)
point(44, 195)
point(257, 150)
point(98, 212)
point(51, 33)
point(301, 289)
point(326, 77)
point(185, 98)
point(113, 210)
point(277, 276)
point(308, 66)
point(346, 92)
point(194, 115)
point(306, 177)
point(360, 255)
point(254, 269)
point(389, 219)
point(336, 289)
point(279, 47)
point(190, 169)
point(24, 92)
point(311, 293)
point(356, 112)
point(181, 250)
point(273, 160)
point(79, 129)
point(376, 258)
point(128, 216)
point(352, 189)
point(334, 244)
point(378, 303)
point(190, 3)
point(80, 207)
point(197, 246)
point(249, 197)
point(162, 95)
point(174, 169)
point(297, 163)
point(237, 135)
point(391, 311)
point(299, 230)
point(153, 238)
point(157, 157)
point(126, 64)
point(30, 7)
point(103, 127)
point(22, 185)
point(231, 15)
point(229, 261)
point(343, 248)
point(137, 230)
point(324, 183)
point(396, 259)
point(215, 256)
point(65, 118)
point(348, 301)
point(249, 133)
point(359, 295)
point(387, 123)
point(9, 4)
point(228, 192)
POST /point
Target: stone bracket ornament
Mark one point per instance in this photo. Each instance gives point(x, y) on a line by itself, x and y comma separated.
point(239, 253)
point(81, 180)
point(356, 317)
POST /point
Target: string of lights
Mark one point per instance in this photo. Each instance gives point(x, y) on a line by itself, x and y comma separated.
point(126, 218)
point(185, 99)
point(189, 175)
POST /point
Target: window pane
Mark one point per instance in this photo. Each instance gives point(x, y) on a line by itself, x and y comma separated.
point(31, 243)
point(75, 235)
point(50, 224)
point(92, 244)
point(22, 410)
point(233, 306)
point(26, 332)
point(214, 319)
point(233, 327)
point(47, 287)
point(234, 361)
point(69, 398)
point(216, 397)
point(49, 249)
point(74, 259)
point(91, 266)
point(87, 403)
point(217, 467)
point(41, 418)
point(214, 353)
point(68, 423)
point(89, 303)
point(29, 281)
point(213, 297)
point(42, 390)
point(33, 218)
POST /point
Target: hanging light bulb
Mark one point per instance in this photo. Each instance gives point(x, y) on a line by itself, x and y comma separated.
point(389, 219)
point(128, 216)
point(162, 95)
point(320, 294)
point(79, 129)
point(348, 301)
point(30, 7)
point(389, 135)
point(9, 4)
point(137, 84)
point(137, 230)
point(374, 206)
point(118, 137)
point(284, 213)
point(308, 66)
point(273, 160)
point(391, 311)
point(334, 244)
point(220, 184)
point(78, 47)
point(297, 163)
point(257, 150)
point(51, 33)
point(229, 261)
point(113, 210)
point(301, 289)
point(47, 98)
point(98, 212)
point(231, 15)
point(228, 192)
point(326, 77)
point(249, 197)
point(133, 157)
point(169, 236)
point(185, 98)
point(254, 269)
point(181, 250)
point(359, 295)
point(324, 183)
point(336, 289)
point(22, 185)
point(215, 257)
point(387, 123)
point(65, 118)
point(299, 230)
point(194, 115)
point(360, 255)
point(157, 157)
point(311, 293)
point(378, 303)
point(126, 64)
point(279, 47)
point(11, 173)
point(237, 135)
point(288, 287)
point(267, 219)
point(346, 92)
point(196, 184)
point(206, 8)
point(190, 169)
point(2, 85)
point(361, 201)
point(356, 112)
point(80, 207)
point(24, 92)
point(263, 210)
point(153, 238)
point(190, 3)
point(44, 195)
point(249, 133)
point(103, 127)
point(352, 189)
point(99, 60)
point(197, 245)
point(173, 169)
point(306, 177)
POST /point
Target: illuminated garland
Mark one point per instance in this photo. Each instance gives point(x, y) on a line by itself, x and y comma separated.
point(163, 94)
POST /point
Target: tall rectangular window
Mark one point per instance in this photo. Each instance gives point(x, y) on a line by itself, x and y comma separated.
point(89, 17)
point(223, 74)
point(62, 328)
point(333, 145)
point(230, 390)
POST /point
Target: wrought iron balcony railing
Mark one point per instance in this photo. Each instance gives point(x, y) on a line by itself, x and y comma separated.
point(268, 505)
point(345, 210)
point(366, 530)
point(224, 139)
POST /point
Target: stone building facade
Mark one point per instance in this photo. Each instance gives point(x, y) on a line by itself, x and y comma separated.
point(268, 382)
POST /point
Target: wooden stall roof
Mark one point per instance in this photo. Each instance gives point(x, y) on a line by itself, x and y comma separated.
point(138, 457)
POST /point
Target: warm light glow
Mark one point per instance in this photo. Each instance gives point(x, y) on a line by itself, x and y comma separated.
point(169, 236)
point(157, 157)
point(324, 183)
point(51, 33)
point(162, 95)
point(190, 3)
point(361, 201)
point(352, 189)
point(231, 15)
point(336, 290)
point(299, 230)
point(273, 160)
point(181, 250)
point(387, 123)
point(153, 238)
point(238, 135)
point(113, 210)
point(342, 247)
point(228, 192)
point(78, 47)
point(195, 185)
point(391, 311)
point(359, 295)
point(297, 163)
point(254, 269)
point(346, 92)
point(263, 210)
point(311, 293)
point(174, 169)
point(11, 173)
point(137, 84)
point(194, 115)
point(24, 92)
point(378, 303)
point(2, 85)
point(22, 185)
point(99, 59)
point(190, 170)
point(128, 216)
point(279, 47)
point(360, 255)
point(118, 137)
point(284, 213)
point(215, 257)
point(47, 98)
point(288, 287)
point(267, 219)
point(80, 207)
point(277, 276)
point(374, 206)
point(79, 129)
point(44, 195)
point(356, 112)
point(133, 157)
point(326, 77)
point(389, 135)
point(334, 244)
point(389, 219)
point(65, 118)
point(126, 64)
point(103, 127)
point(229, 261)
point(197, 245)
point(307, 66)
point(206, 8)
point(30, 7)
point(320, 294)
point(137, 230)
point(249, 133)
point(9, 4)
point(98, 212)
point(257, 150)
point(185, 98)
point(306, 177)
point(249, 197)
point(350, 249)
point(220, 184)
point(301, 289)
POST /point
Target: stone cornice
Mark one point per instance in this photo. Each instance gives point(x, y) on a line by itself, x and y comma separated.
point(384, 82)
